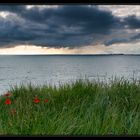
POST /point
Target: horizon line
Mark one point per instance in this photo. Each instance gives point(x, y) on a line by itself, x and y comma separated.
point(68, 54)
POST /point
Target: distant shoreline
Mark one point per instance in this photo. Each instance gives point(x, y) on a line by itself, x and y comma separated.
point(68, 54)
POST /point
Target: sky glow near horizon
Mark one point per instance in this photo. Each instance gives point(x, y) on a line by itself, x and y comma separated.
point(69, 29)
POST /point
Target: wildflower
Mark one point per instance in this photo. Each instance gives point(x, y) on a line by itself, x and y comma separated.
point(8, 102)
point(36, 100)
point(46, 100)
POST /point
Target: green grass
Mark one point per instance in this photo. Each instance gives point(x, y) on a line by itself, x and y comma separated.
point(79, 108)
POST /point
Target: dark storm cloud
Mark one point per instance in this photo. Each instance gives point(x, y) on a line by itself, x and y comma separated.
point(90, 19)
point(64, 26)
point(58, 27)
point(13, 33)
point(132, 22)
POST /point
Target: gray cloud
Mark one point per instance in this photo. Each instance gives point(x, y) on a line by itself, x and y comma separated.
point(122, 40)
point(65, 26)
point(116, 40)
point(135, 37)
point(58, 27)
point(132, 22)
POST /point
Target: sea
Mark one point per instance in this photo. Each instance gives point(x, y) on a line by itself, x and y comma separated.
point(60, 69)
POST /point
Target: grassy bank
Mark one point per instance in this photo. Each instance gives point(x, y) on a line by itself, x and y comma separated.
point(81, 108)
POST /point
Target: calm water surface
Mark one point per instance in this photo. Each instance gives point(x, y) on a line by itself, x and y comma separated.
point(39, 70)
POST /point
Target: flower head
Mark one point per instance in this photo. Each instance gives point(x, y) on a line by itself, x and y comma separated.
point(46, 100)
point(36, 100)
point(8, 102)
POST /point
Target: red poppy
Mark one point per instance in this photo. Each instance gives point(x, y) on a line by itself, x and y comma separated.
point(8, 102)
point(36, 100)
point(8, 94)
point(46, 100)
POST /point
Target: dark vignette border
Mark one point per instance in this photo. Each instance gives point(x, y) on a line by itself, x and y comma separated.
point(63, 2)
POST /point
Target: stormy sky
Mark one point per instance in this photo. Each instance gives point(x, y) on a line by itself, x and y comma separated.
point(70, 29)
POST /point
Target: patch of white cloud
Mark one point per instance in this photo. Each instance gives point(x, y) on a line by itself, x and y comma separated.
point(11, 17)
point(41, 7)
point(122, 10)
point(4, 14)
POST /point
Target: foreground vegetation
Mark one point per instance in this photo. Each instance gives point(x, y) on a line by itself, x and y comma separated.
point(79, 108)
